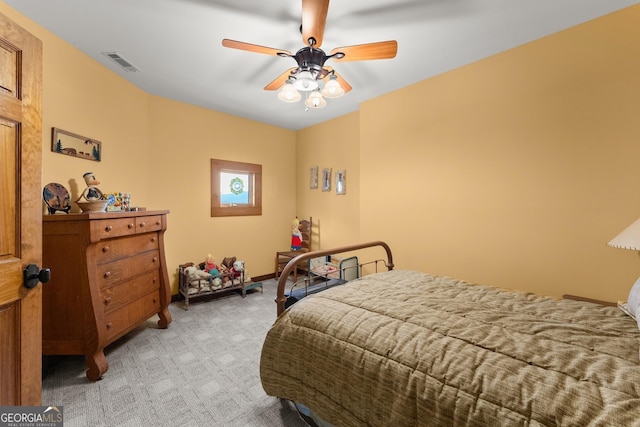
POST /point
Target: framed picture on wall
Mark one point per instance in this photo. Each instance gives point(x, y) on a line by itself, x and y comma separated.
point(313, 177)
point(236, 188)
point(326, 179)
point(341, 182)
point(71, 144)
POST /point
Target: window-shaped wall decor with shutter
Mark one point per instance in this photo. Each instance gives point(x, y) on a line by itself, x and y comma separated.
point(236, 188)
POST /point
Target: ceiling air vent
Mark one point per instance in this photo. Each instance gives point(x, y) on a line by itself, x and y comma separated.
point(118, 59)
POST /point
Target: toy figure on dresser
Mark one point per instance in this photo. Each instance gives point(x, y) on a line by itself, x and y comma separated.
point(296, 236)
point(94, 198)
point(91, 192)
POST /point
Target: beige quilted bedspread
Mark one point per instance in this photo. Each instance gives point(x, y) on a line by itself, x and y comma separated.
point(403, 348)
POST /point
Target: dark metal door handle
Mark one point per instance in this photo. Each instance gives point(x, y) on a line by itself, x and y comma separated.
point(32, 274)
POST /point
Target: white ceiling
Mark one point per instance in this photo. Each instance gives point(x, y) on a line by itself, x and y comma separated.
point(176, 44)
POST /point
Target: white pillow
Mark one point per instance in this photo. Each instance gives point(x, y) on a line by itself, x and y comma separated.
point(632, 307)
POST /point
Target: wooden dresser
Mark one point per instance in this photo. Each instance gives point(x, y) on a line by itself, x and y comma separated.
point(108, 275)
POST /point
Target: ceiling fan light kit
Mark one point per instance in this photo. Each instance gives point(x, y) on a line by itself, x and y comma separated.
point(332, 88)
point(315, 100)
point(288, 93)
point(305, 81)
point(311, 74)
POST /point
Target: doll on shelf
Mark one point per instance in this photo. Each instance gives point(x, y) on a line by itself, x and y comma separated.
point(216, 270)
point(296, 236)
point(210, 266)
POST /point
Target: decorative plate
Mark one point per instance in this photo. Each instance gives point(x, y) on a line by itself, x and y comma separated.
point(237, 186)
point(56, 197)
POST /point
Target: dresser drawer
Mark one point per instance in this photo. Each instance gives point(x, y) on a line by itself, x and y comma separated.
point(123, 247)
point(113, 227)
point(124, 319)
point(118, 271)
point(149, 223)
point(120, 294)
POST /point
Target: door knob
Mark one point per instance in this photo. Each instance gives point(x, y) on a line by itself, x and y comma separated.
point(32, 275)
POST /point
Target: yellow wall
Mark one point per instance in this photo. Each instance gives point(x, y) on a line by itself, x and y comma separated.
point(184, 139)
point(336, 145)
point(513, 171)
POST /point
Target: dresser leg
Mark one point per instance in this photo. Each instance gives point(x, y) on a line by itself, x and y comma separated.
point(165, 318)
point(96, 365)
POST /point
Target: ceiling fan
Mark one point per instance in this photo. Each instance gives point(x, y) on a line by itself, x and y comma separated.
point(311, 69)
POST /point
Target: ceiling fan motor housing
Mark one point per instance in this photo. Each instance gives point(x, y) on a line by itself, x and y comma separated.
point(311, 60)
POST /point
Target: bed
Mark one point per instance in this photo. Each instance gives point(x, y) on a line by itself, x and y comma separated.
point(404, 348)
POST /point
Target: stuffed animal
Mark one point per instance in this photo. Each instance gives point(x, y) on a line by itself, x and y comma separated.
point(237, 269)
point(196, 277)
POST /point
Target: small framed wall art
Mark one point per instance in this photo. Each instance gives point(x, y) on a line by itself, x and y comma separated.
point(74, 145)
point(313, 177)
point(341, 182)
point(236, 188)
point(326, 179)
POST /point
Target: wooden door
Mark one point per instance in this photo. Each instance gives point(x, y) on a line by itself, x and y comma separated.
point(20, 215)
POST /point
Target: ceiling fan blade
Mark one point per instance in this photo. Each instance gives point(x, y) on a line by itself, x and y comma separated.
point(362, 52)
point(279, 81)
point(314, 18)
point(253, 47)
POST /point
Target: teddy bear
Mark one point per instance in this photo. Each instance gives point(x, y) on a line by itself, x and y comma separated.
point(236, 270)
point(197, 278)
point(233, 268)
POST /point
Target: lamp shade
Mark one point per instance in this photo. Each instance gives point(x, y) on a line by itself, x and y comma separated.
point(315, 100)
point(288, 93)
point(332, 89)
point(629, 238)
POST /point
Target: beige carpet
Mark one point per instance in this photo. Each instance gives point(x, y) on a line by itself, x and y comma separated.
point(201, 371)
